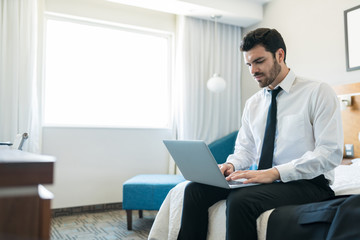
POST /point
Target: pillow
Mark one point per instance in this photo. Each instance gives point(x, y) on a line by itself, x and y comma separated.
point(347, 179)
point(356, 161)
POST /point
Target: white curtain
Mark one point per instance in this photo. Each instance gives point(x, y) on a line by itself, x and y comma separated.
point(199, 113)
point(19, 88)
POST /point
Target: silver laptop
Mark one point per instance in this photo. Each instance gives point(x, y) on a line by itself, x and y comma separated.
point(197, 164)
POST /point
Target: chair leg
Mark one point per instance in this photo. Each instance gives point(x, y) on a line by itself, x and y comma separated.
point(140, 213)
point(129, 219)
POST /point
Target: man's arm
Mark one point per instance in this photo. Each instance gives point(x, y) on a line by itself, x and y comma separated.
point(328, 136)
point(245, 149)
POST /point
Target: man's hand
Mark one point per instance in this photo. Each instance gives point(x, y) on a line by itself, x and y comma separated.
point(226, 168)
point(256, 176)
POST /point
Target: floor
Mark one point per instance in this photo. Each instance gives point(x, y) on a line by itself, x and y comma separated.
point(102, 226)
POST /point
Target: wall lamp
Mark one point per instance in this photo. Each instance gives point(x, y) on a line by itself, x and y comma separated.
point(346, 100)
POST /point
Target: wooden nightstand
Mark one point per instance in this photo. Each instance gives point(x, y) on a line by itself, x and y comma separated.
point(24, 202)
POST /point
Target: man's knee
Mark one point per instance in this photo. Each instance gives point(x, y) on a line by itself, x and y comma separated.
point(196, 192)
point(194, 189)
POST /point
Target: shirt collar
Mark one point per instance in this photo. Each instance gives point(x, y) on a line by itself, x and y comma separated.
point(288, 81)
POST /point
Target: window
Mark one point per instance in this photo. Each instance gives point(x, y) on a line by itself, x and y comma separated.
point(106, 76)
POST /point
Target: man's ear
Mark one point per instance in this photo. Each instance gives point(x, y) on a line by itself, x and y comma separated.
point(281, 55)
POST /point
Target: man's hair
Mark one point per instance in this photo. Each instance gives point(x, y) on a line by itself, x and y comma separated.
point(270, 39)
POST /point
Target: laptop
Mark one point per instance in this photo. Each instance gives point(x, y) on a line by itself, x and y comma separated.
point(197, 164)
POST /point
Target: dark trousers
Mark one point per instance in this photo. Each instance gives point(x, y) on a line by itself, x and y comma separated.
point(244, 205)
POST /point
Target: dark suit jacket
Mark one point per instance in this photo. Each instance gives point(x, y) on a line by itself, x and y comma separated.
point(328, 220)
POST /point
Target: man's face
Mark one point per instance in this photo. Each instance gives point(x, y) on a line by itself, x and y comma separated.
point(262, 65)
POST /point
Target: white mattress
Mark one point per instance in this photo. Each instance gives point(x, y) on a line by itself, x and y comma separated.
point(167, 221)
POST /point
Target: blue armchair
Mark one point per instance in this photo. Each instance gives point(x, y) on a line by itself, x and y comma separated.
point(223, 147)
point(147, 192)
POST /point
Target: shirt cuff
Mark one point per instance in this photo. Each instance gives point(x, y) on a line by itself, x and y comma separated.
point(233, 161)
point(286, 172)
point(236, 163)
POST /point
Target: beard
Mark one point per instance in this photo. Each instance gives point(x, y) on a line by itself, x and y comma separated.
point(271, 76)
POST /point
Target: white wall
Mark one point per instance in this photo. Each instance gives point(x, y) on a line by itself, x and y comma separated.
point(313, 31)
point(93, 163)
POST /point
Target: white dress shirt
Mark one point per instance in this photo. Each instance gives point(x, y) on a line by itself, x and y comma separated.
point(309, 134)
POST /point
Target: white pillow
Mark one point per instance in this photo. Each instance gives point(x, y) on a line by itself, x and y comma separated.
point(347, 179)
point(356, 161)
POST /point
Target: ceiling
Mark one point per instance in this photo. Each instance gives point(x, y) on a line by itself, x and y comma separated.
point(241, 13)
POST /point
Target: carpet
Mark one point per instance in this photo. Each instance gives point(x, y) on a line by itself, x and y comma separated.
point(107, 225)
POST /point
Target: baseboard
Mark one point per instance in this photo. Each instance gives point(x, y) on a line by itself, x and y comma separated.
point(58, 212)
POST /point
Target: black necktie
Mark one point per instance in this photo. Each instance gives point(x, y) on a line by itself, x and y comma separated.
point(267, 151)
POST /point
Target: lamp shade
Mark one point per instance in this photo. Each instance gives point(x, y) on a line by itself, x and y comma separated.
point(216, 83)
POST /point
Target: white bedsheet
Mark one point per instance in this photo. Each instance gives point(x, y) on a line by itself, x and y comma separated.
point(167, 221)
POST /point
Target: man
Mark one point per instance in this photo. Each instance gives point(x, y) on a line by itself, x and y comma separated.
point(296, 160)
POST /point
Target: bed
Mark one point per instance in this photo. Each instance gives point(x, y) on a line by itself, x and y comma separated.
point(167, 221)
point(346, 185)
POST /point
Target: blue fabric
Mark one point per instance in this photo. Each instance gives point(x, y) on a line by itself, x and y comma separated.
point(148, 191)
point(253, 167)
point(223, 147)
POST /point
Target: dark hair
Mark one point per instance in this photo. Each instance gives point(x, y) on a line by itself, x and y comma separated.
point(270, 39)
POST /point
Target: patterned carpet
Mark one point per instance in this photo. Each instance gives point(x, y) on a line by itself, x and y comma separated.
point(102, 226)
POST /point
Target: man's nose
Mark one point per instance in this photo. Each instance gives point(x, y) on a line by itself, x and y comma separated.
point(253, 69)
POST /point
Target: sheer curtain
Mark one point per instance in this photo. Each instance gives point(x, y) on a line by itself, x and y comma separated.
point(19, 95)
point(199, 113)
